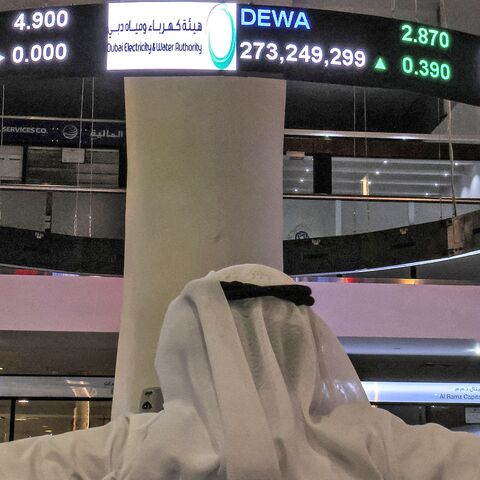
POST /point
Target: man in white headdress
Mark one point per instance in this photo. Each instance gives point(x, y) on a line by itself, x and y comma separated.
point(256, 387)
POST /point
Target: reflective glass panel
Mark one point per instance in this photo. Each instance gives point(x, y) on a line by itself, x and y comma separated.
point(4, 420)
point(34, 418)
point(405, 177)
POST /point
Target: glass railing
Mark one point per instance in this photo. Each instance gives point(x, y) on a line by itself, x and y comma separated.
point(310, 216)
point(93, 212)
point(35, 418)
point(62, 228)
point(100, 213)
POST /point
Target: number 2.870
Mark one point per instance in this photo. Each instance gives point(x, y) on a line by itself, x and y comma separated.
point(430, 37)
point(307, 53)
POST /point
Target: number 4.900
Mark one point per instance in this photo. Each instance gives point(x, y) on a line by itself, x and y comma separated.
point(48, 19)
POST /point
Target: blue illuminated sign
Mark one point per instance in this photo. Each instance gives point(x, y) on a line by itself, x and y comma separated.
point(274, 17)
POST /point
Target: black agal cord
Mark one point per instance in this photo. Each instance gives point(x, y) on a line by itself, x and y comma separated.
point(298, 294)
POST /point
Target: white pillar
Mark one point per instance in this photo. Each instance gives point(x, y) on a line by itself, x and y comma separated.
point(204, 191)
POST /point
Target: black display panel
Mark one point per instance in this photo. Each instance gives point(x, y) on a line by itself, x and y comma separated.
point(333, 47)
point(266, 41)
point(54, 41)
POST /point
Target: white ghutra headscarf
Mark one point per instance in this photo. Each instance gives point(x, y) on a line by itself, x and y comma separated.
point(255, 389)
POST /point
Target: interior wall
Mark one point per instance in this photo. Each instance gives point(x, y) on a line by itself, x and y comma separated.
point(465, 120)
point(60, 303)
point(469, 186)
point(23, 209)
point(402, 311)
point(92, 304)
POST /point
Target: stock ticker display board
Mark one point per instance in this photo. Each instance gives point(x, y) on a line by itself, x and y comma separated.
point(196, 38)
point(64, 41)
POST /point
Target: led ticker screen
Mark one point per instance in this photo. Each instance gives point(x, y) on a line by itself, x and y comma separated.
point(289, 51)
point(334, 47)
point(434, 39)
point(57, 40)
point(200, 38)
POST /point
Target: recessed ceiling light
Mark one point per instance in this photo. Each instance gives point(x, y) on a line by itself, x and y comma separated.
point(295, 189)
point(436, 184)
point(370, 182)
point(302, 180)
point(377, 172)
point(385, 161)
point(1, 368)
point(445, 174)
point(23, 401)
point(456, 164)
point(427, 194)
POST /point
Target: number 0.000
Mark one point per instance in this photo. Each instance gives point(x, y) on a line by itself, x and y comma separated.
point(38, 53)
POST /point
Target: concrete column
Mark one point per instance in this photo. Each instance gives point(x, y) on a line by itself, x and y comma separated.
point(204, 191)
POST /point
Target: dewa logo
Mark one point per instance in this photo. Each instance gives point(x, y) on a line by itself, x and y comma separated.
point(222, 36)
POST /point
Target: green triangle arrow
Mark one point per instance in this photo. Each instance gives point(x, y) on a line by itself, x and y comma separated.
point(380, 65)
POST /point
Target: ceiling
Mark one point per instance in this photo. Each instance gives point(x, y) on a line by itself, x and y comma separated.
point(411, 346)
point(93, 354)
point(57, 353)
